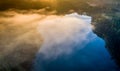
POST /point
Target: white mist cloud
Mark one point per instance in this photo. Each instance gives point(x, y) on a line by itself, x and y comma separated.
point(62, 34)
point(70, 45)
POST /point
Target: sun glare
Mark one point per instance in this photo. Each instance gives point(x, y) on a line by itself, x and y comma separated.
point(49, 1)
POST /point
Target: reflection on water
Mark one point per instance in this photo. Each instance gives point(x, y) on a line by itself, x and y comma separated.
point(70, 45)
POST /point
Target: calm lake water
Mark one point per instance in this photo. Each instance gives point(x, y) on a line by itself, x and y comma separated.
point(71, 45)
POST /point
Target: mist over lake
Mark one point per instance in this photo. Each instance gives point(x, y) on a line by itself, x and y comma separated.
point(59, 35)
point(70, 45)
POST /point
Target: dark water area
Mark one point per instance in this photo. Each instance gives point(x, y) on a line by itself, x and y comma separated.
point(93, 57)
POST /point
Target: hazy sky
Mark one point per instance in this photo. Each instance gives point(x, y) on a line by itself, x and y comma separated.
point(59, 5)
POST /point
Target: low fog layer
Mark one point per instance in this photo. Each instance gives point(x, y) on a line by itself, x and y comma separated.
point(70, 45)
